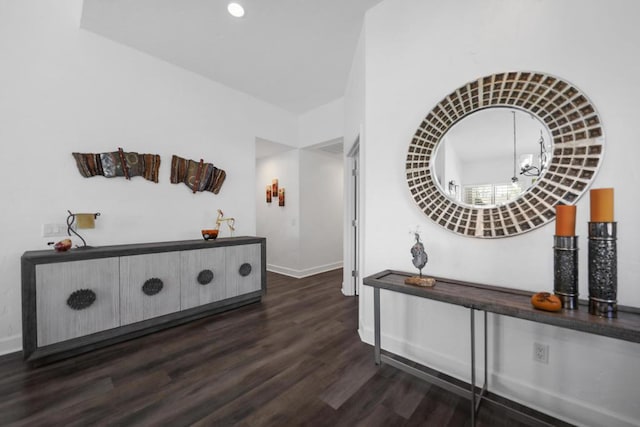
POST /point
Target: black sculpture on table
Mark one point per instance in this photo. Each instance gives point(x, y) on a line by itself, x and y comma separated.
point(419, 260)
point(420, 257)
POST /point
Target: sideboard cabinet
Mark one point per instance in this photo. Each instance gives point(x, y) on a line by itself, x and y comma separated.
point(76, 301)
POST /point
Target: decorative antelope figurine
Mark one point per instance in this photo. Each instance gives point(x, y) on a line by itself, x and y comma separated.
point(230, 221)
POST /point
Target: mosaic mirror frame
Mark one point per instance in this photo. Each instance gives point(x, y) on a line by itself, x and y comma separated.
point(578, 145)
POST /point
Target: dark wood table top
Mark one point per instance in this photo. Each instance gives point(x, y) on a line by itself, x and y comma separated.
point(76, 254)
point(513, 303)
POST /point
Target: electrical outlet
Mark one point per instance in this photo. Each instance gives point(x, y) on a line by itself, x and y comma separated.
point(541, 352)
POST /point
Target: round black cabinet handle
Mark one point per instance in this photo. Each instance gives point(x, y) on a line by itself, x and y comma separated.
point(152, 286)
point(81, 299)
point(205, 277)
point(245, 269)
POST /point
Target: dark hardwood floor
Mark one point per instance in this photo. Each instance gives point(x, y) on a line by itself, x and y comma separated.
point(294, 359)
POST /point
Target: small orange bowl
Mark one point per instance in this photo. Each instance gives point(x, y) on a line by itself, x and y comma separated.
point(209, 234)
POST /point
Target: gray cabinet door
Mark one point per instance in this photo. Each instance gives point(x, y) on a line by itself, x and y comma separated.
point(76, 298)
point(149, 286)
point(202, 277)
point(243, 269)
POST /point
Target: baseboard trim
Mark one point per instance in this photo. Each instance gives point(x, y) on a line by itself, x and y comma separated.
point(574, 411)
point(347, 294)
point(10, 344)
point(300, 274)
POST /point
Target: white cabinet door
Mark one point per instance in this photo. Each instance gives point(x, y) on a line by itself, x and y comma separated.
point(149, 286)
point(76, 298)
point(202, 277)
point(243, 270)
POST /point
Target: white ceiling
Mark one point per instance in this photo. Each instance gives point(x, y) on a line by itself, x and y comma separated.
point(266, 148)
point(295, 54)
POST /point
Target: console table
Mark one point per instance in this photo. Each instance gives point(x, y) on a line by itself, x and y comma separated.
point(498, 300)
point(82, 299)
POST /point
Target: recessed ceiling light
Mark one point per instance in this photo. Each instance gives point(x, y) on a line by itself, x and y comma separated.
point(235, 10)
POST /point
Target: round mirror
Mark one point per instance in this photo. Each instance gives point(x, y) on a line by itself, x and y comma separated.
point(492, 156)
point(576, 144)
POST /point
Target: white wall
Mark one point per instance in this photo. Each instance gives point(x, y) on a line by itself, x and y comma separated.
point(280, 224)
point(494, 171)
point(321, 202)
point(321, 124)
point(63, 89)
point(298, 244)
point(416, 52)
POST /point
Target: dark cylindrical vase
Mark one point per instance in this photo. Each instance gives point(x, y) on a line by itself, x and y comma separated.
point(603, 269)
point(565, 270)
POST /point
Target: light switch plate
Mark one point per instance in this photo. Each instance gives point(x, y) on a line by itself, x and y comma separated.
point(54, 230)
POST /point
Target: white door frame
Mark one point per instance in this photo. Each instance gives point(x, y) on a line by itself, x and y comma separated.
point(353, 220)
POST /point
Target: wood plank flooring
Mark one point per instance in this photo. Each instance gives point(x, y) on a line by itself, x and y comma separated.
point(293, 359)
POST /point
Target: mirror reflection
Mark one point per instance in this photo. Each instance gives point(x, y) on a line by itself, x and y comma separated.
point(492, 156)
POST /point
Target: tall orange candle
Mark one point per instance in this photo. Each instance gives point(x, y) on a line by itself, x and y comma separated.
point(565, 220)
point(601, 204)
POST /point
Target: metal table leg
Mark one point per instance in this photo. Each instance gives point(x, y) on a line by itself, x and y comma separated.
point(473, 367)
point(477, 399)
point(484, 386)
point(376, 326)
point(464, 391)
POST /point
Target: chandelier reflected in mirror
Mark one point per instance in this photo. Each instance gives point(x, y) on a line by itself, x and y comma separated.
point(528, 167)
